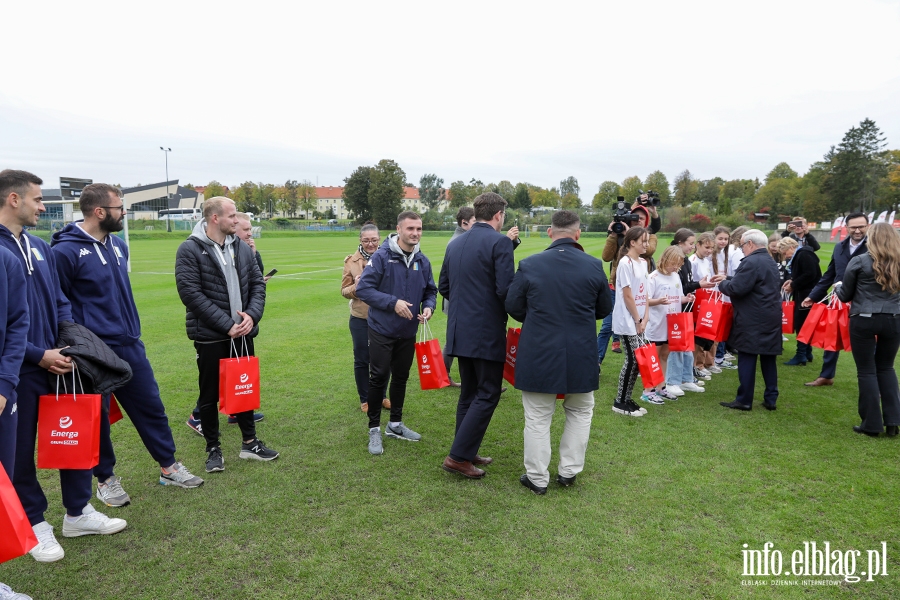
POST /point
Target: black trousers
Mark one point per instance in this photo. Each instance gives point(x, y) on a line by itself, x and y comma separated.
point(388, 358)
point(879, 397)
point(359, 332)
point(479, 395)
point(208, 357)
point(747, 378)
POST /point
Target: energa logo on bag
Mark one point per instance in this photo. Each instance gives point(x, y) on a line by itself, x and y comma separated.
point(709, 315)
point(69, 437)
point(675, 326)
point(512, 349)
point(243, 388)
point(244, 377)
point(425, 368)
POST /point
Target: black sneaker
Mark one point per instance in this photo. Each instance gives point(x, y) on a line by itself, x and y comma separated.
point(215, 461)
point(256, 450)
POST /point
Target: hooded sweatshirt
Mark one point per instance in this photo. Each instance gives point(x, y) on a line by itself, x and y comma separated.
point(392, 276)
point(225, 259)
point(94, 276)
point(47, 305)
point(13, 323)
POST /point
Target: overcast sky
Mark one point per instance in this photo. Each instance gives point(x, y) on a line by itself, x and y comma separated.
point(524, 91)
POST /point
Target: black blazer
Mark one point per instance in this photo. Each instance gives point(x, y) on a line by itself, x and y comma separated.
point(755, 291)
point(475, 276)
point(558, 295)
point(861, 288)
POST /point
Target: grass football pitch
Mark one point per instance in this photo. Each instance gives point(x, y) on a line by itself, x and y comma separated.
point(666, 507)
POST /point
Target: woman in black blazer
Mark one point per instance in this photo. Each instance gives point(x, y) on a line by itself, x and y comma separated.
point(802, 274)
point(872, 283)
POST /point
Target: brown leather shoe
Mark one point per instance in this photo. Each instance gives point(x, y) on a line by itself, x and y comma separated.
point(482, 460)
point(364, 407)
point(819, 381)
point(386, 404)
point(465, 468)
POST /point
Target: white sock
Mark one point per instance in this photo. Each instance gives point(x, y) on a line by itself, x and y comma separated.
point(73, 519)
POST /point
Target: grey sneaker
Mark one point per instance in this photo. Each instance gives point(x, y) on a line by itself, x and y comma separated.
point(6, 593)
point(402, 432)
point(375, 446)
point(92, 522)
point(215, 462)
point(180, 476)
point(110, 492)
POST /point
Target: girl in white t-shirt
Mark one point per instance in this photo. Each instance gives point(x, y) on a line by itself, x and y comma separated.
point(630, 313)
point(664, 295)
point(702, 268)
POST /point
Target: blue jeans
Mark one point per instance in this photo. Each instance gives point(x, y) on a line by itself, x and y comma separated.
point(680, 368)
point(606, 331)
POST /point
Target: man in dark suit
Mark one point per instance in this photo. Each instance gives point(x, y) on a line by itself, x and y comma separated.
point(857, 224)
point(478, 268)
point(558, 295)
point(755, 291)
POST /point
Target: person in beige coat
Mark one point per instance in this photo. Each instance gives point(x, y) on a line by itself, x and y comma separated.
point(369, 240)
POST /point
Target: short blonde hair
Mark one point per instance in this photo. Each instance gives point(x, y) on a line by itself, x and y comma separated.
point(786, 244)
point(671, 260)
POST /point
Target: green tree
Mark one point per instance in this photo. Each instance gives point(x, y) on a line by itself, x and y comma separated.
point(431, 190)
point(263, 199)
point(781, 171)
point(570, 202)
point(686, 188)
point(548, 198)
point(631, 189)
point(569, 187)
point(386, 193)
point(607, 194)
point(459, 194)
point(856, 168)
point(708, 190)
point(213, 189)
point(307, 197)
point(657, 182)
point(521, 198)
point(506, 189)
point(290, 199)
point(356, 194)
point(245, 198)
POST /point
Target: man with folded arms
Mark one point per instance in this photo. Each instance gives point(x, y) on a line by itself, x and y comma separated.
point(21, 203)
point(558, 295)
point(475, 276)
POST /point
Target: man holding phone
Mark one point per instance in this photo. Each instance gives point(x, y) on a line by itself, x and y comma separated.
point(797, 230)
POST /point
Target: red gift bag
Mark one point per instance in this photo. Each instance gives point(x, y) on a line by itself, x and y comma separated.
point(512, 347)
point(68, 430)
point(844, 326)
point(724, 329)
point(649, 366)
point(700, 296)
point(16, 535)
point(238, 382)
point(809, 326)
point(787, 317)
point(681, 331)
point(830, 334)
point(432, 371)
point(115, 413)
point(709, 319)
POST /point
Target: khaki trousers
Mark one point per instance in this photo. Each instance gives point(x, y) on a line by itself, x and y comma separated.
point(539, 410)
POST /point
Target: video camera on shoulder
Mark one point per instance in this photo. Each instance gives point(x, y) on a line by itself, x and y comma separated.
point(622, 215)
point(652, 198)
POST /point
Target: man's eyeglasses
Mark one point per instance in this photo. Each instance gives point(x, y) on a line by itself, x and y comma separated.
point(120, 207)
point(857, 227)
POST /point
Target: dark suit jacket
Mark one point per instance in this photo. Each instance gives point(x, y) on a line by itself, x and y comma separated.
point(478, 268)
point(755, 291)
point(839, 260)
point(559, 295)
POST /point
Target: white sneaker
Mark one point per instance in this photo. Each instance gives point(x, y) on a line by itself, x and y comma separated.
point(6, 593)
point(705, 374)
point(666, 394)
point(714, 369)
point(699, 382)
point(48, 549)
point(690, 387)
point(728, 356)
point(92, 522)
point(674, 390)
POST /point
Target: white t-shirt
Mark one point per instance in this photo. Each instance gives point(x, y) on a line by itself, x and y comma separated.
point(660, 285)
point(721, 263)
point(701, 268)
point(632, 274)
point(735, 256)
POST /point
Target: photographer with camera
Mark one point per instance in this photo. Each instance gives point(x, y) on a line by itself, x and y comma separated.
point(643, 213)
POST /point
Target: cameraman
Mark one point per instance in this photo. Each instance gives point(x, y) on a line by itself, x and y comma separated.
point(797, 230)
point(649, 218)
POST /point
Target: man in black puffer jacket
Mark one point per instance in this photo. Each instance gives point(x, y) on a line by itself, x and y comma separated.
point(223, 290)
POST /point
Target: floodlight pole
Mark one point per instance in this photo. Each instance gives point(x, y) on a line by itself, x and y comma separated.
point(168, 221)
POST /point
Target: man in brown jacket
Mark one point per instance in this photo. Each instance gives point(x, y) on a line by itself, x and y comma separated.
point(354, 264)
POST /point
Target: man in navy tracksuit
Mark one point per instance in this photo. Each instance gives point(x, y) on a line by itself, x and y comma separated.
point(21, 203)
point(93, 272)
point(399, 288)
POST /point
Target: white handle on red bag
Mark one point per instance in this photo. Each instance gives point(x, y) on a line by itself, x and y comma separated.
point(74, 388)
point(244, 347)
